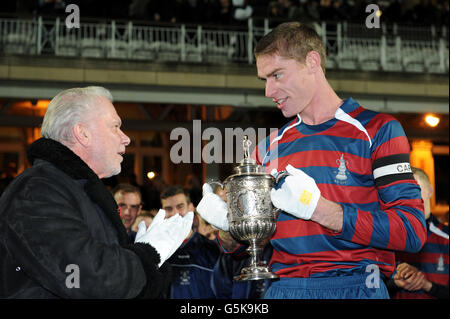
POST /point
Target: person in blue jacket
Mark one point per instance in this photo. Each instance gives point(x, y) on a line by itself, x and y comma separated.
point(193, 263)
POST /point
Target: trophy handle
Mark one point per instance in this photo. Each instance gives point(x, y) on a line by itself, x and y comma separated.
point(216, 182)
point(279, 179)
point(276, 212)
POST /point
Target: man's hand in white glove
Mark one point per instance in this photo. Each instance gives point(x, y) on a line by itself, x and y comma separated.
point(298, 195)
point(165, 235)
point(213, 209)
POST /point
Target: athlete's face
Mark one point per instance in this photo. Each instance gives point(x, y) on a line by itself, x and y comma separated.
point(288, 83)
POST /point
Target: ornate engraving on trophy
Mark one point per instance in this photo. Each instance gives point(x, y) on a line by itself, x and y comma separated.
point(246, 203)
point(251, 214)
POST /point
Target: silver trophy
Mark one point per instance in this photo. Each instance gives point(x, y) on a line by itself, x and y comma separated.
point(251, 215)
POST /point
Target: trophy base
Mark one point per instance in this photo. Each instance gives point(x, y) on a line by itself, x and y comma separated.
point(255, 273)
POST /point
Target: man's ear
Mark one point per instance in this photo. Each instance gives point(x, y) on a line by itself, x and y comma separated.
point(191, 207)
point(82, 134)
point(430, 190)
point(313, 61)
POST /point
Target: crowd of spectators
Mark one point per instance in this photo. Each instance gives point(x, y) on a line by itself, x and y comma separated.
point(236, 12)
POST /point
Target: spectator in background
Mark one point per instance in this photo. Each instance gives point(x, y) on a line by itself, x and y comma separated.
point(49, 7)
point(424, 275)
point(274, 13)
point(116, 9)
point(193, 263)
point(144, 215)
point(326, 11)
point(340, 11)
point(333, 11)
point(164, 11)
point(358, 11)
point(192, 11)
point(445, 13)
point(393, 12)
point(193, 186)
point(293, 11)
point(138, 10)
point(223, 14)
point(129, 199)
point(231, 263)
point(242, 11)
point(204, 228)
point(426, 12)
point(312, 10)
point(132, 179)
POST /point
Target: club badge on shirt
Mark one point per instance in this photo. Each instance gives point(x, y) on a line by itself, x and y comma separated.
point(341, 173)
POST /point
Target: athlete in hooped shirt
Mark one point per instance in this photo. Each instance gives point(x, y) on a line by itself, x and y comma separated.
point(350, 199)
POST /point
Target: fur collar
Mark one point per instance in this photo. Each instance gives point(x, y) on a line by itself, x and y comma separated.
point(71, 164)
point(60, 156)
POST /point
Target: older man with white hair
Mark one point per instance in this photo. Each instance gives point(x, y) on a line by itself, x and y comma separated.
point(61, 235)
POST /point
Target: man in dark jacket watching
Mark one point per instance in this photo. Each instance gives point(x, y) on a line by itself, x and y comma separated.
point(61, 235)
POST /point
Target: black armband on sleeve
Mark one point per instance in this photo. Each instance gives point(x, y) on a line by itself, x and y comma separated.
point(392, 168)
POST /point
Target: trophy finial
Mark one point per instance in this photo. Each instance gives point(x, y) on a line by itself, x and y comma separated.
point(246, 146)
point(247, 164)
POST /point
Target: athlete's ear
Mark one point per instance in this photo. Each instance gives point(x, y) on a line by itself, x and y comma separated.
point(313, 61)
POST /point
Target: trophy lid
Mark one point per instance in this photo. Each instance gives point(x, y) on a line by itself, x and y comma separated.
point(247, 165)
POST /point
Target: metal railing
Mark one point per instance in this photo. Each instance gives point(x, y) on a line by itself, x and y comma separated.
point(349, 46)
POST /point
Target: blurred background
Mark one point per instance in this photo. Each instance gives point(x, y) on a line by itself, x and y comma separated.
point(170, 62)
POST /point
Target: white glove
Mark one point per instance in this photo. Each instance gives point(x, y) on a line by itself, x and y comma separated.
point(298, 195)
point(165, 235)
point(213, 209)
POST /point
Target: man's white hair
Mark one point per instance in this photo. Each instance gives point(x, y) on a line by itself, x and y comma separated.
point(68, 108)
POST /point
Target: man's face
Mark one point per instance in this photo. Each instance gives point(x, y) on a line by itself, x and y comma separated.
point(288, 83)
point(426, 191)
point(222, 194)
point(206, 229)
point(108, 142)
point(129, 205)
point(176, 204)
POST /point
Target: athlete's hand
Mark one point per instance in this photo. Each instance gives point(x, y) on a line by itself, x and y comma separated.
point(298, 195)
